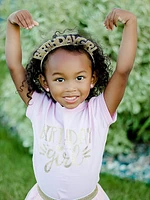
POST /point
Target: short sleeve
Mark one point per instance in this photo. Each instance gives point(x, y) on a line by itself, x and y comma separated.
point(37, 104)
point(100, 110)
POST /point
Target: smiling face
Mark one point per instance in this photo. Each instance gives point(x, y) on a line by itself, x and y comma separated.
point(68, 76)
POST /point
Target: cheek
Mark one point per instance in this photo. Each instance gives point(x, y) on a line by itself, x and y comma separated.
point(55, 89)
point(85, 88)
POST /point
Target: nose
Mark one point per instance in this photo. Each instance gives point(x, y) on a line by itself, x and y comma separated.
point(70, 86)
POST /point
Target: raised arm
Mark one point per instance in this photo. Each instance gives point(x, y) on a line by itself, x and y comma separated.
point(115, 89)
point(13, 50)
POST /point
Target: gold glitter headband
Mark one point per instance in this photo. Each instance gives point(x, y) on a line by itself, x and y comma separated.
point(61, 41)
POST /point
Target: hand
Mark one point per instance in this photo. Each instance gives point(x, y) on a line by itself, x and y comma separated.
point(23, 19)
point(117, 15)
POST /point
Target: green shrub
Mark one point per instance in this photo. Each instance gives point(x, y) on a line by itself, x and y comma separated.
point(134, 112)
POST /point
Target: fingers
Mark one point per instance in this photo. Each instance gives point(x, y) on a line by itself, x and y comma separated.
point(23, 19)
point(112, 18)
point(110, 21)
point(35, 23)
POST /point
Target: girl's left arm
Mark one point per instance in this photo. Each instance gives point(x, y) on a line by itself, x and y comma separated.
point(115, 89)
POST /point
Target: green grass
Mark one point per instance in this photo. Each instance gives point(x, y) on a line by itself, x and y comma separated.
point(16, 175)
point(123, 189)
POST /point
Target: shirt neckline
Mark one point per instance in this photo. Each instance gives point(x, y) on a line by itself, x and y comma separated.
point(80, 107)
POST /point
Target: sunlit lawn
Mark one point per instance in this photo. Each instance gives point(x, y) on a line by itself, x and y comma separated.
point(16, 175)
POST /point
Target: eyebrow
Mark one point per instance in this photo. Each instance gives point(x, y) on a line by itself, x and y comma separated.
point(58, 73)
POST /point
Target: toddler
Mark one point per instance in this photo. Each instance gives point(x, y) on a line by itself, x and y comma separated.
point(71, 102)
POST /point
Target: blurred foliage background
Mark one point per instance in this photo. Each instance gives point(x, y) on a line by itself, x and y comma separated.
point(133, 124)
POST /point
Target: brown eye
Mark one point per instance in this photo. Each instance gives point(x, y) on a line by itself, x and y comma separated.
point(60, 79)
point(79, 78)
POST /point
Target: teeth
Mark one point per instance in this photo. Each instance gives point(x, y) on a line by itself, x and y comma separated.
point(70, 98)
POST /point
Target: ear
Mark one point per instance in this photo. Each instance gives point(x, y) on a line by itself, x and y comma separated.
point(43, 82)
point(93, 79)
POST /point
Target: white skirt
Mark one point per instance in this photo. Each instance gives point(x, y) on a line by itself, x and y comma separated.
point(34, 194)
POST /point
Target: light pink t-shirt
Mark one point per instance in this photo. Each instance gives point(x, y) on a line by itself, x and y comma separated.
point(68, 145)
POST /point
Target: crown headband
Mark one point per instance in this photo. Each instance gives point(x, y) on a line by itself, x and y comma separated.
point(61, 41)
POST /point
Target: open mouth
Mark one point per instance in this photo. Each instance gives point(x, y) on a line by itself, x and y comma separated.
point(71, 99)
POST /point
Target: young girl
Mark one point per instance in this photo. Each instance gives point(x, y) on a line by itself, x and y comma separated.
point(71, 103)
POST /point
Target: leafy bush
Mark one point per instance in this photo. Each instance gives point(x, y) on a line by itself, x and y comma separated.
point(133, 123)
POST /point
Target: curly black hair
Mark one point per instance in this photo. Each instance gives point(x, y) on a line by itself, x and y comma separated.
point(101, 67)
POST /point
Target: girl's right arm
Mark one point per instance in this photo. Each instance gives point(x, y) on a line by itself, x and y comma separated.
point(13, 50)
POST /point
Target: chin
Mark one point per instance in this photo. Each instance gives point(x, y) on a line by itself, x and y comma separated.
point(71, 106)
